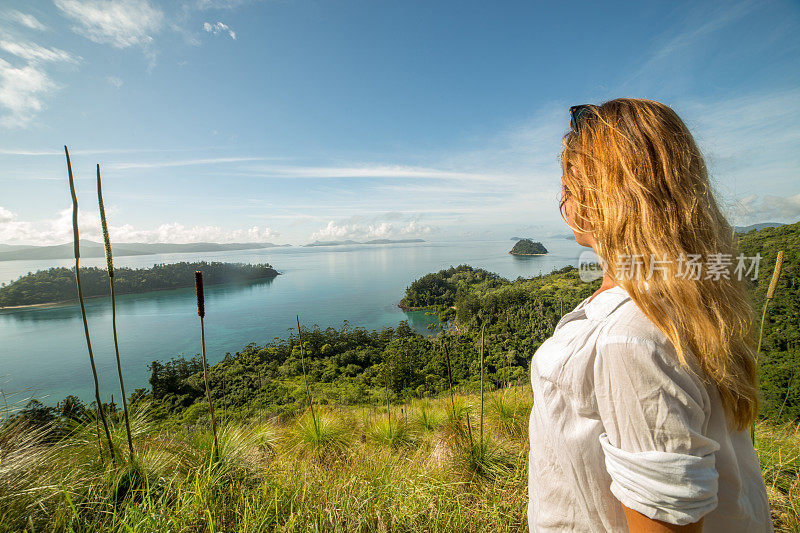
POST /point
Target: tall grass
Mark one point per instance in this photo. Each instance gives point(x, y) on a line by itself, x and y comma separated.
point(303, 483)
point(110, 268)
point(77, 249)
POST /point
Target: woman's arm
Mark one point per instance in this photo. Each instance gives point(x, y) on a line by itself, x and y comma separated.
point(639, 523)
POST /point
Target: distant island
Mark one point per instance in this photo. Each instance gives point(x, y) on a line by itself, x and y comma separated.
point(528, 247)
point(374, 241)
point(95, 249)
point(57, 285)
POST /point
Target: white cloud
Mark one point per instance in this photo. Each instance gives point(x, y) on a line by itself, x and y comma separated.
point(371, 230)
point(29, 21)
point(114, 81)
point(219, 27)
point(34, 53)
point(753, 209)
point(122, 23)
point(58, 230)
point(22, 90)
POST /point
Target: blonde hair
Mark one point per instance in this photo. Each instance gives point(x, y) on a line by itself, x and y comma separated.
point(641, 186)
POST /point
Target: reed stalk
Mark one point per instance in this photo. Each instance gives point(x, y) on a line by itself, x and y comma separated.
point(110, 267)
point(388, 411)
point(482, 328)
point(471, 442)
point(449, 376)
point(776, 273)
point(201, 312)
point(305, 376)
point(77, 248)
point(786, 396)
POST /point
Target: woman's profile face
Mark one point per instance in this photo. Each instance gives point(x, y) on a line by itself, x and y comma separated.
point(584, 239)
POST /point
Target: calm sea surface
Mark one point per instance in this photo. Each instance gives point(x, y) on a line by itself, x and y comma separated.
point(43, 350)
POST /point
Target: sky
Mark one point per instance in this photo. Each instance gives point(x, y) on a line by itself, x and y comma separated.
point(294, 121)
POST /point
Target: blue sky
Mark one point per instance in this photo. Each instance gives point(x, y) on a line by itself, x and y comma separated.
point(292, 121)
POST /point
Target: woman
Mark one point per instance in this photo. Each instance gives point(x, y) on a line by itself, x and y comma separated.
point(645, 394)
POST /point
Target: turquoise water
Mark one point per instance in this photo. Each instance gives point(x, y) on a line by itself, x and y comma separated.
point(43, 350)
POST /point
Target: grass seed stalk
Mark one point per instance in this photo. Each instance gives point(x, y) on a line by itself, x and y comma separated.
point(77, 248)
point(110, 267)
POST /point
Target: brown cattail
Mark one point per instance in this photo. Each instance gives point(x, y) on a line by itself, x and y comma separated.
point(775, 275)
point(198, 281)
point(201, 311)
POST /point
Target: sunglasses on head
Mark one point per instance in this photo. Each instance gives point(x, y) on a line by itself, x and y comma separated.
point(578, 113)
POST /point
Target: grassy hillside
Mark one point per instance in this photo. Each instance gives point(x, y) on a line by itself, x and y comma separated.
point(363, 470)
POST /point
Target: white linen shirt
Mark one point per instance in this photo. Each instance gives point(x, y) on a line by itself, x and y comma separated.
point(616, 418)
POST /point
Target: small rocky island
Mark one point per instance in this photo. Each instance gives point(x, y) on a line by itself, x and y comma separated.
point(528, 247)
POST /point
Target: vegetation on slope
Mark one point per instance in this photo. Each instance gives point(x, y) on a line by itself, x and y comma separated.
point(272, 475)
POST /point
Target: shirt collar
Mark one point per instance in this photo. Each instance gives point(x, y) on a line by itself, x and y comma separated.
point(605, 302)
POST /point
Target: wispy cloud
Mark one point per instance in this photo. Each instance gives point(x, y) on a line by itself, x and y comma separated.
point(367, 170)
point(58, 230)
point(182, 163)
point(218, 4)
point(24, 19)
point(34, 53)
point(217, 28)
point(40, 153)
point(122, 23)
point(682, 43)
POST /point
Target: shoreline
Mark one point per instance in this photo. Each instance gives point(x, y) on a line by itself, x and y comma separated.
point(75, 300)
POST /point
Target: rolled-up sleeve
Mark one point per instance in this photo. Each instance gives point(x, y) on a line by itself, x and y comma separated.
point(654, 414)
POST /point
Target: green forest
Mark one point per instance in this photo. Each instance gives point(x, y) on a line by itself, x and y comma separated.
point(58, 284)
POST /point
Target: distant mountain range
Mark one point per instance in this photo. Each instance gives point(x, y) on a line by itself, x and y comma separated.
point(762, 225)
point(14, 252)
point(737, 229)
point(374, 241)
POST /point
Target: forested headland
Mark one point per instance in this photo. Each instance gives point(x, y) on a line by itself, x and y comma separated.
point(57, 284)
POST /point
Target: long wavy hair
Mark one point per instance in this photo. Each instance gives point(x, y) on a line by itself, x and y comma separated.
point(640, 185)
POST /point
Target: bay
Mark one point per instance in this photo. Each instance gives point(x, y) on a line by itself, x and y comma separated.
point(43, 350)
